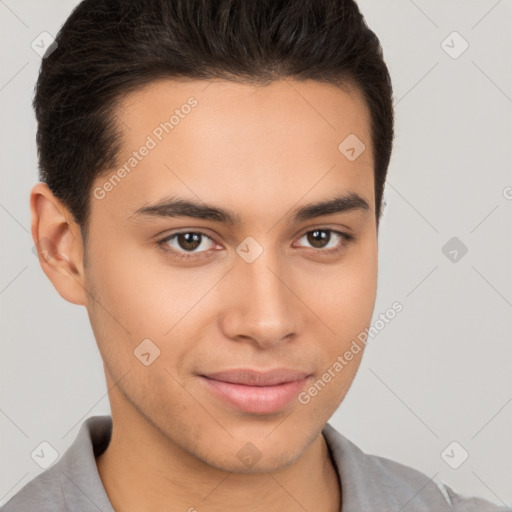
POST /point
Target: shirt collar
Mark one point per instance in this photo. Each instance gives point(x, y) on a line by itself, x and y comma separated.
point(367, 482)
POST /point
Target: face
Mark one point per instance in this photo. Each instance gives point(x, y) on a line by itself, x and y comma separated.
point(251, 278)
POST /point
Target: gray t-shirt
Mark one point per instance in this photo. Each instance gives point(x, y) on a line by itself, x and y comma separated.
point(369, 483)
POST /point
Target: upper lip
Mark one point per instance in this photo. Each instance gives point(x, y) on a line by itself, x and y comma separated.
point(251, 377)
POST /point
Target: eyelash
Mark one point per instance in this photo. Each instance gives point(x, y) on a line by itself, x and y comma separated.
point(162, 244)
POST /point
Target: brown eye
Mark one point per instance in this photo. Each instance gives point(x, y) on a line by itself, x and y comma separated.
point(186, 244)
point(189, 241)
point(318, 238)
point(321, 239)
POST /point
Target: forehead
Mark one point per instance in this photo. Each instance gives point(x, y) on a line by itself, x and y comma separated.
point(249, 145)
point(285, 107)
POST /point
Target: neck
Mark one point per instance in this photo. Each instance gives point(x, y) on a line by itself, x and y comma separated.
point(143, 470)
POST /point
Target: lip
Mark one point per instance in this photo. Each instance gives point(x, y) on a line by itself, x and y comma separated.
point(251, 377)
point(256, 392)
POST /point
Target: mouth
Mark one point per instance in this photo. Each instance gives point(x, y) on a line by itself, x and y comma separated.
point(254, 391)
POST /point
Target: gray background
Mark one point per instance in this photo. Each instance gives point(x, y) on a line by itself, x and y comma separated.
point(439, 372)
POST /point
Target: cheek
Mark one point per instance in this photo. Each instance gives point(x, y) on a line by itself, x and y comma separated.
point(346, 305)
point(136, 298)
point(348, 294)
point(138, 291)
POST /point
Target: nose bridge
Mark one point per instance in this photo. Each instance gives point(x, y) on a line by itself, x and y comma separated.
point(264, 281)
point(263, 302)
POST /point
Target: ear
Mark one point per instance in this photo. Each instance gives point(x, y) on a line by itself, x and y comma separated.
point(58, 243)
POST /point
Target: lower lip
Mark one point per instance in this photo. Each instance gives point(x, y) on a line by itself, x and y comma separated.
point(256, 399)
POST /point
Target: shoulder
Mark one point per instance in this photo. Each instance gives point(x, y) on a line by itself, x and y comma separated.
point(463, 503)
point(374, 483)
point(42, 493)
point(72, 482)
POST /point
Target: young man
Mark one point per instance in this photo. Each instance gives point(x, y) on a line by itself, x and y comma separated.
point(212, 179)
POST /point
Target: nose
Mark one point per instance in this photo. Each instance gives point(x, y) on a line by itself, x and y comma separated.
point(264, 309)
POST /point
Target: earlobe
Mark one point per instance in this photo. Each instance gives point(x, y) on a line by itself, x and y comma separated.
point(58, 243)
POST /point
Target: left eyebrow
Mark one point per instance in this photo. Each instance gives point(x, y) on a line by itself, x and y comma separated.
point(344, 203)
point(181, 207)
